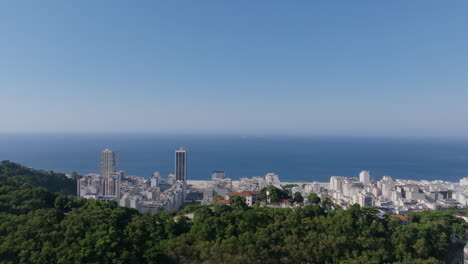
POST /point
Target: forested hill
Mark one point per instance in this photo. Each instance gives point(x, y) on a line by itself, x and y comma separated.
point(17, 175)
point(40, 226)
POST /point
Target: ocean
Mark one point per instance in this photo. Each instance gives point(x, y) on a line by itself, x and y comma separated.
point(292, 158)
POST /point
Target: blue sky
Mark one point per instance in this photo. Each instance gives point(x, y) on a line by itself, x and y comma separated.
point(377, 68)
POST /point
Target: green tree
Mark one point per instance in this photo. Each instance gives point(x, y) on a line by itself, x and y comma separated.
point(289, 186)
point(238, 202)
point(275, 194)
point(298, 197)
point(313, 198)
point(327, 203)
point(38, 225)
point(75, 175)
point(217, 198)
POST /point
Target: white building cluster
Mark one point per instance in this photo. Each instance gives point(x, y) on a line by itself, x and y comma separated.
point(219, 185)
point(258, 182)
point(396, 195)
point(222, 185)
point(306, 189)
point(152, 195)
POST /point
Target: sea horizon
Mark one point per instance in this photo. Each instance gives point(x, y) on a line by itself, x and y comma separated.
point(293, 158)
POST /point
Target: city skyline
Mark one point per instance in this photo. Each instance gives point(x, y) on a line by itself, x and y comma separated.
point(234, 131)
point(159, 193)
point(310, 68)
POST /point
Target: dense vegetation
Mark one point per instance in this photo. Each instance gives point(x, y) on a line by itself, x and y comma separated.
point(16, 175)
point(41, 226)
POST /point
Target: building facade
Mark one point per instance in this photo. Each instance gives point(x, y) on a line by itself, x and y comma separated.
point(365, 177)
point(108, 163)
point(181, 164)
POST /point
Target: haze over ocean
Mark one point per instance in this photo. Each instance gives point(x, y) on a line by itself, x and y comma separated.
point(292, 158)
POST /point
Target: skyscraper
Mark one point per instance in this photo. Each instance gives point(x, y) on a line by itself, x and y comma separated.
point(107, 165)
point(110, 182)
point(181, 164)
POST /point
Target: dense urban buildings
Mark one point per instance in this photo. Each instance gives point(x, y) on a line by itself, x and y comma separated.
point(136, 192)
point(397, 195)
point(158, 193)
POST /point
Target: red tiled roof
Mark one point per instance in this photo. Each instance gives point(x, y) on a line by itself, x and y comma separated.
point(243, 193)
point(401, 217)
point(284, 202)
point(222, 202)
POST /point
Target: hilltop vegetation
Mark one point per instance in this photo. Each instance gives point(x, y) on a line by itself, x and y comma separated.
point(39, 225)
point(17, 175)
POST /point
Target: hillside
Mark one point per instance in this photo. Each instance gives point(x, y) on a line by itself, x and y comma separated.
point(39, 225)
point(16, 175)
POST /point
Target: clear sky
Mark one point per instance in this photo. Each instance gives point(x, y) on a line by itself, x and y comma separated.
point(282, 67)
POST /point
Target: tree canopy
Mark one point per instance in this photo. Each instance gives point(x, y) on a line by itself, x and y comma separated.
point(313, 198)
point(39, 225)
point(275, 194)
point(298, 197)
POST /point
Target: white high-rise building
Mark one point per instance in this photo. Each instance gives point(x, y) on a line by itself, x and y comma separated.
point(155, 179)
point(464, 181)
point(218, 175)
point(364, 177)
point(336, 183)
point(272, 179)
point(110, 184)
point(108, 163)
point(363, 200)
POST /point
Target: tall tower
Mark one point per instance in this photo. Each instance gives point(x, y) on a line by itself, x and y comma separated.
point(108, 166)
point(181, 164)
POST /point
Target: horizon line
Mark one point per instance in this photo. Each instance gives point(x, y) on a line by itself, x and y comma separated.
point(238, 134)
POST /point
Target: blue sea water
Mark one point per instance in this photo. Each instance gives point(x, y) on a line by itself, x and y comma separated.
point(293, 158)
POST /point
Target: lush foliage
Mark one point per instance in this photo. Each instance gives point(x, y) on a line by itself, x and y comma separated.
point(275, 194)
point(298, 197)
point(17, 175)
point(313, 198)
point(39, 226)
point(289, 186)
point(217, 198)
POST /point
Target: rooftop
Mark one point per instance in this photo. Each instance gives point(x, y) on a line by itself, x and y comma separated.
point(243, 193)
point(222, 202)
point(401, 217)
